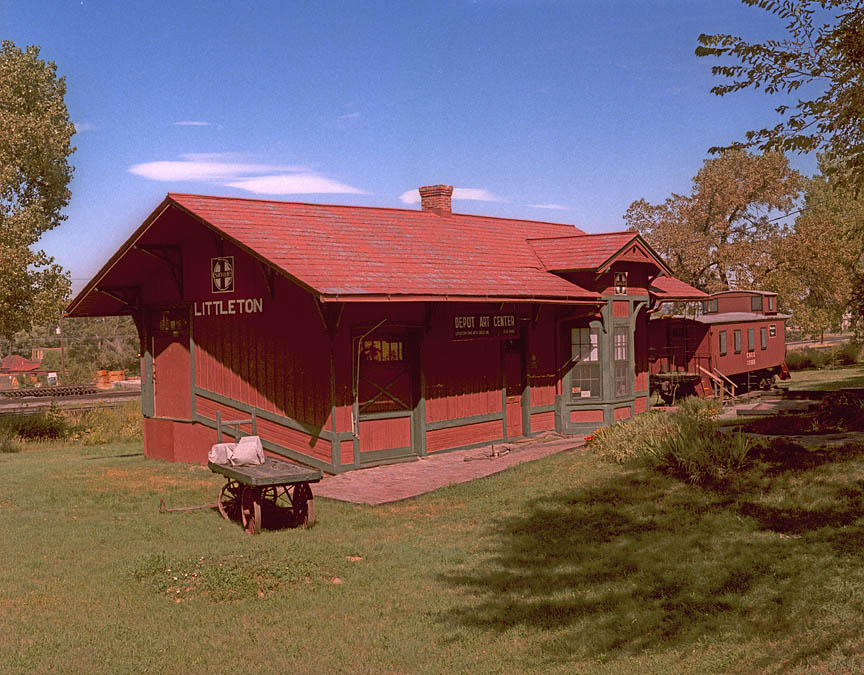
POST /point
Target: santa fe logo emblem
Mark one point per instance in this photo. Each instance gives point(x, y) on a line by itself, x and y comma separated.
point(222, 274)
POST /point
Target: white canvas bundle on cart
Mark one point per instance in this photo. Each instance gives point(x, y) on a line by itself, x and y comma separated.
point(248, 452)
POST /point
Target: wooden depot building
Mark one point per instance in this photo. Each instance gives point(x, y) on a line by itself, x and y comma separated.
point(359, 336)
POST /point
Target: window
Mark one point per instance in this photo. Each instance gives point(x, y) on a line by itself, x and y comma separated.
point(771, 300)
point(722, 343)
point(382, 351)
point(772, 330)
point(711, 306)
point(763, 335)
point(755, 303)
point(751, 339)
point(585, 354)
point(737, 337)
point(621, 283)
point(622, 360)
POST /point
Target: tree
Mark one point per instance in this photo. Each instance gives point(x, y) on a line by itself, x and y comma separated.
point(828, 56)
point(813, 262)
point(727, 231)
point(35, 144)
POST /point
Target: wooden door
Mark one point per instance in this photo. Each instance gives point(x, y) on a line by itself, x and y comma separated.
point(386, 397)
point(514, 382)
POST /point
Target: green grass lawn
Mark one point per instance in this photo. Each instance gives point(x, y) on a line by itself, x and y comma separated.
point(562, 565)
point(828, 379)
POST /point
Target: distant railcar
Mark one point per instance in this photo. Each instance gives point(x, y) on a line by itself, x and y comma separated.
point(732, 341)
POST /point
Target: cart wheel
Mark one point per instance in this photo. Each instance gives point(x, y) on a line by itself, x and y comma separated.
point(229, 500)
point(304, 505)
point(251, 510)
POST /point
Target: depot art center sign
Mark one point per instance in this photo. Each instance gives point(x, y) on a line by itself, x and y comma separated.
point(485, 325)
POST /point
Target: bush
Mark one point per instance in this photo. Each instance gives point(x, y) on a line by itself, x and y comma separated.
point(104, 425)
point(807, 357)
point(847, 354)
point(685, 443)
point(41, 426)
point(698, 452)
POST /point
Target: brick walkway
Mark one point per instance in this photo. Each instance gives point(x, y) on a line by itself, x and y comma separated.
point(394, 482)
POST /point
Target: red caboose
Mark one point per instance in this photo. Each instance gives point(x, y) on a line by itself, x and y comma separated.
point(734, 340)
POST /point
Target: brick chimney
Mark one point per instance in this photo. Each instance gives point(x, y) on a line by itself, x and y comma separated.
point(436, 198)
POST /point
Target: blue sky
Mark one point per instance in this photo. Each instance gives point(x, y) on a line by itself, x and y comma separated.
point(561, 111)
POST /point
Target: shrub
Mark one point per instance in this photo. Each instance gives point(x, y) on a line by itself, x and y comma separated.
point(624, 441)
point(40, 426)
point(104, 425)
point(807, 358)
point(847, 354)
point(7, 440)
point(698, 452)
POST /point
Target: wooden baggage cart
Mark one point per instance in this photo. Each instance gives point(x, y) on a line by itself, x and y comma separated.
point(275, 492)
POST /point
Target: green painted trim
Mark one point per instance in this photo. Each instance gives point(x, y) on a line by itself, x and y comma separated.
point(288, 422)
point(464, 421)
point(372, 457)
point(148, 402)
point(542, 408)
point(387, 415)
point(275, 448)
point(469, 446)
point(191, 363)
point(184, 420)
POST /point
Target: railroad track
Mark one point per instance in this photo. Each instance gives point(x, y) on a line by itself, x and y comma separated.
point(24, 401)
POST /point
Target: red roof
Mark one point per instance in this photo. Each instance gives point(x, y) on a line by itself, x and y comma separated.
point(13, 363)
point(593, 251)
point(342, 251)
point(364, 253)
point(670, 288)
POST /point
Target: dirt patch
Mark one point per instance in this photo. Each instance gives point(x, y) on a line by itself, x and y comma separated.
point(136, 481)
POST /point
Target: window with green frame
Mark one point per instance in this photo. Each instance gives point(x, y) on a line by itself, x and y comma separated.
point(585, 375)
point(621, 343)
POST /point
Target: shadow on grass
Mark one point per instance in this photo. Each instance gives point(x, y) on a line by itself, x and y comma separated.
point(644, 562)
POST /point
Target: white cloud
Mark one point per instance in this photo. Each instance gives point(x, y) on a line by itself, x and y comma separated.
point(81, 127)
point(264, 179)
point(293, 184)
point(193, 123)
point(555, 207)
point(472, 194)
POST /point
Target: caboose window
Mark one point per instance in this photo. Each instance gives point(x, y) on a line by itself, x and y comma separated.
point(585, 353)
point(772, 330)
point(711, 306)
point(722, 343)
point(756, 303)
point(622, 360)
point(751, 339)
point(771, 300)
point(763, 335)
point(737, 337)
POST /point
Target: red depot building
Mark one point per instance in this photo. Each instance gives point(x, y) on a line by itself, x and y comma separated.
point(358, 336)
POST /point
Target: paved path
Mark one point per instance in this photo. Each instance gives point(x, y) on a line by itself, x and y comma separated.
point(394, 482)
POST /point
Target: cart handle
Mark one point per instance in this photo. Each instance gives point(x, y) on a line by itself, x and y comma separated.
point(236, 424)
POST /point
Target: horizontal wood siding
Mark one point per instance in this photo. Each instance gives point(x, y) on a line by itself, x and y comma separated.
point(385, 434)
point(483, 432)
point(544, 421)
point(581, 416)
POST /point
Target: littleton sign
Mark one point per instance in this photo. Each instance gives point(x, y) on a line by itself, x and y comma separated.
point(484, 325)
point(228, 307)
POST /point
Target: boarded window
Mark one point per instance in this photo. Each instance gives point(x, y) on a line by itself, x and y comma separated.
point(622, 360)
point(382, 351)
point(756, 303)
point(737, 337)
point(585, 354)
point(751, 339)
point(722, 343)
point(763, 335)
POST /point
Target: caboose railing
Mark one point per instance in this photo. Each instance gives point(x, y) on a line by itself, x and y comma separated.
point(678, 360)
